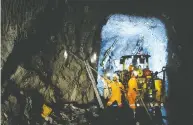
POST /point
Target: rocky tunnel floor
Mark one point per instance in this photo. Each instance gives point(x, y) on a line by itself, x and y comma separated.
point(67, 114)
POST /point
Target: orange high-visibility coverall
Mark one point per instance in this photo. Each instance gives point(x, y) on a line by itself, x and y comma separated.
point(131, 95)
point(116, 91)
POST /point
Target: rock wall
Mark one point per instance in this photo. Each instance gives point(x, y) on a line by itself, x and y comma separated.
point(34, 68)
point(44, 67)
point(16, 19)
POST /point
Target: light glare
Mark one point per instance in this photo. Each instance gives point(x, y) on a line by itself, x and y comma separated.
point(65, 54)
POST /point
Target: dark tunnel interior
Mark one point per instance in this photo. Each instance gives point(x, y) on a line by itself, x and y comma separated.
point(50, 22)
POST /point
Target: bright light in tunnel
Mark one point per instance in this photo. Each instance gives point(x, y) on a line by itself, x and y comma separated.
point(132, 33)
point(65, 54)
point(93, 58)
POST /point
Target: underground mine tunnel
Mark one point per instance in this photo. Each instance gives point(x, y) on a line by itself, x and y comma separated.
point(45, 45)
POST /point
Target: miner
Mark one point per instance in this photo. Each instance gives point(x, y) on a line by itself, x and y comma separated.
point(116, 88)
point(132, 90)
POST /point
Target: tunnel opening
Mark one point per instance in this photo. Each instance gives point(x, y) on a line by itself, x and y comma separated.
point(126, 35)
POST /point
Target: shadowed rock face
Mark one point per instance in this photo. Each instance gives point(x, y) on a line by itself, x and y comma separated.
point(39, 62)
point(16, 20)
point(35, 69)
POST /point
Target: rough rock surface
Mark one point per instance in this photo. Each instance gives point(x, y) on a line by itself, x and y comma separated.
point(16, 20)
point(41, 69)
point(68, 115)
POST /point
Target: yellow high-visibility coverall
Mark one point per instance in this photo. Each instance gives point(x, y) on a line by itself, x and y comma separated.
point(131, 95)
point(158, 87)
point(116, 91)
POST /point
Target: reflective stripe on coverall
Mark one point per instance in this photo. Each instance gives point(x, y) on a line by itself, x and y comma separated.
point(116, 91)
point(131, 95)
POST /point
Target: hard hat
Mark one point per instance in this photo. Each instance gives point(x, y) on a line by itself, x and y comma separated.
point(135, 73)
point(131, 67)
point(115, 76)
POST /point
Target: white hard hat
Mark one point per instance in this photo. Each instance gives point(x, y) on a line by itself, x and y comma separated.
point(135, 73)
point(115, 76)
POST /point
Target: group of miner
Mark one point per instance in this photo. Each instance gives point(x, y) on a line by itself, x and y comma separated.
point(118, 89)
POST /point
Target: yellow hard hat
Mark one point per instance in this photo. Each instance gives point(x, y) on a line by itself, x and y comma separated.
point(131, 67)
